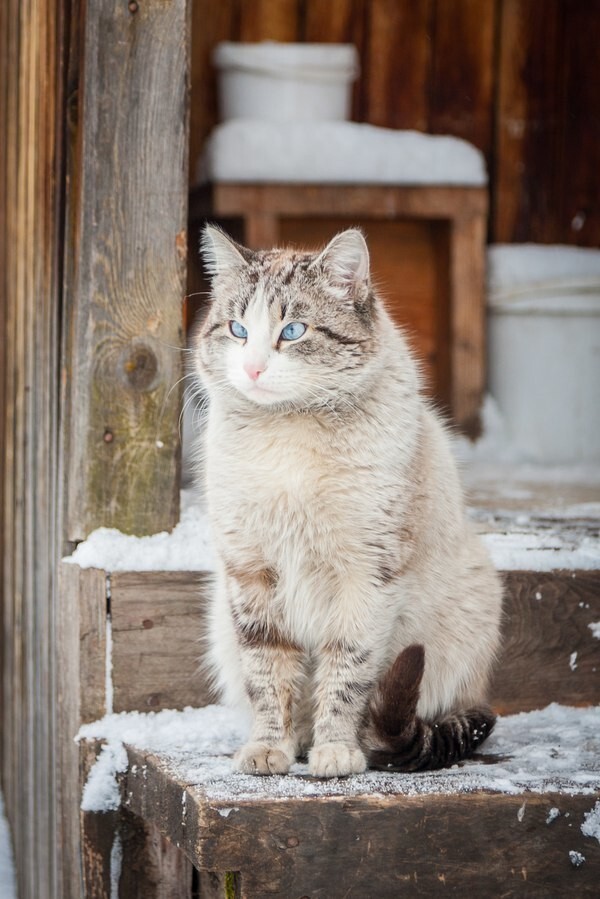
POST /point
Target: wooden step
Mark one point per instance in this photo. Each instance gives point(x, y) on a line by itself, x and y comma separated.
point(494, 826)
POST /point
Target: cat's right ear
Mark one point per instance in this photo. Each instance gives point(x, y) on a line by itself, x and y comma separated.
point(221, 253)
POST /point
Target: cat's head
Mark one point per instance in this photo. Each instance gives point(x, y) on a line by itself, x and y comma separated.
point(287, 328)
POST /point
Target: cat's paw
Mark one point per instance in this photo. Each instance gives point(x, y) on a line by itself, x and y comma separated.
point(336, 760)
point(260, 758)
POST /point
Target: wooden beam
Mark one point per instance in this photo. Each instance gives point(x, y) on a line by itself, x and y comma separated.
point(80, 688)
point(158, 618)
point(125, 267)
point(371, 845)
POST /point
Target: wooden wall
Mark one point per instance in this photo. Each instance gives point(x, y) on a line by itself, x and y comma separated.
point(93, 202)
point(31, 36)
point(518, 78)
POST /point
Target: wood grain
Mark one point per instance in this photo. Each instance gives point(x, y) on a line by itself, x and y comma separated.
point(126, 268)
point(461, 100)
point(157, 666)
point(547, 177)
point(547, 618)
point(397, 63)
point(30, 196)
point(373, 845)
point(157, 625)
point(80, 697)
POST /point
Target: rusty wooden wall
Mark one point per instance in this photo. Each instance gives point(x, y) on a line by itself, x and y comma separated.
point(517, 78)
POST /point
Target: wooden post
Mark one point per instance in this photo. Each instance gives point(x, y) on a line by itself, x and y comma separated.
point(125, 267)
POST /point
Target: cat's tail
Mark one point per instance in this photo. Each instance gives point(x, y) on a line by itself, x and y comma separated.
point(402, 741)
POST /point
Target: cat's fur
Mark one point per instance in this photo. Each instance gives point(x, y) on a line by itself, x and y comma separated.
point(355, 610)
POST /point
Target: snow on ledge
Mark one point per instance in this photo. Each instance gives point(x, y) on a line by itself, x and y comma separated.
point(514, 542)
point(336, 152)
point(554, 749)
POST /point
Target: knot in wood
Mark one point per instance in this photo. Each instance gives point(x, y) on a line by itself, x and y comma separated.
point(133, 7)
point(141, 367)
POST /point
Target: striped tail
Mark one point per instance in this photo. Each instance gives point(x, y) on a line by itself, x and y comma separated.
point(407, 743)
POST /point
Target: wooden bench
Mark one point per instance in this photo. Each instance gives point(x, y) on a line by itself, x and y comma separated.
point(428, 255)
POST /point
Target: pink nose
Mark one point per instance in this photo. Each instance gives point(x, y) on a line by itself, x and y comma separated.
point(254, 369)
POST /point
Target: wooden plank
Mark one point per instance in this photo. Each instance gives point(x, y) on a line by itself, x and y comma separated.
point(547, 178)
point(80, 687)
point(125, 276)
point(533, 670)
point(369, 200)
point(397, 62)
point(462, 73)
point(549, 653)
point(466, 250)
point(269, 20)
point(373, 845)
point(157, 624)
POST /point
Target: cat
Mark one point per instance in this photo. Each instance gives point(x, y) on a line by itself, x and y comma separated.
point(355, 612)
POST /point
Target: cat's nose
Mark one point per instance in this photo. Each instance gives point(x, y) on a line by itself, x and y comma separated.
point(254, 369)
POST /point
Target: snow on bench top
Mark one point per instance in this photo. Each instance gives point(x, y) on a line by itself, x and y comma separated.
point(556, 749)
point(336, 152)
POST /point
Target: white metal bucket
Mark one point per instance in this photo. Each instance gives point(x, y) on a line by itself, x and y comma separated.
point(285, 82)
point(544, 364)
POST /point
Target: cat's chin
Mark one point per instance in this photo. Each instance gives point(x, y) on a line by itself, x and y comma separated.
point(262, 396)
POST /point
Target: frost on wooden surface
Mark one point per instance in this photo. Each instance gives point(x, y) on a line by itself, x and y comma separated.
point(336, 152)
point(556, 749)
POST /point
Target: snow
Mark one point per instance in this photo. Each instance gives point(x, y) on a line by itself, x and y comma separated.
point(591, 823)
point(101, 791)
point(336, 152)
point(595, 629)
point(8, 883)
point(186, 548)
point(576, 858)
point(515, 542)
point(554, 749)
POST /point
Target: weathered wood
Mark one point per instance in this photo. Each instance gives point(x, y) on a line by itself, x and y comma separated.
point(371, 200)
point(448, 316)
point(397, 63)
point(272, 20)
point(80, 689)
point(126, 268)
point(30, 196)
point(159, 666)
point(373, 845)
point(549, 652)
point(461, 82)
point(547, 177)
point(157, 626)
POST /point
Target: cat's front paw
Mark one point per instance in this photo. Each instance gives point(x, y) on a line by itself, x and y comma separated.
point(336, 760)
point(260, 758)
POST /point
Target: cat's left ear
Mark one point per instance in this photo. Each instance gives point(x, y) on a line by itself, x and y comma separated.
point(346, 260)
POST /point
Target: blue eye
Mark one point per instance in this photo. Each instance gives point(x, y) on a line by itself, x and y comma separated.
point(293, 331)
point(238, 330)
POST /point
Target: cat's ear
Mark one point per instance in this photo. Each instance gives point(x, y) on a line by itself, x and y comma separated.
point(346, 260)
point(220, 252)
